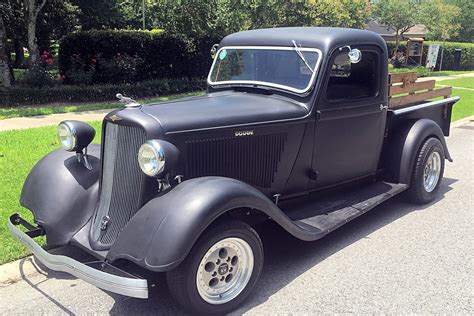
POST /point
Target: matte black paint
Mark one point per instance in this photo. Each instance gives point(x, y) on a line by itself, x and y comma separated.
point(62, 193)
point(222, 110)
point(405, 144)
point(63, 196)
point(161, 234)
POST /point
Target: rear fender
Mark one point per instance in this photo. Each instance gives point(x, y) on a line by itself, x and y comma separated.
point(405, 145)
point(62, 193)
point(164, 230)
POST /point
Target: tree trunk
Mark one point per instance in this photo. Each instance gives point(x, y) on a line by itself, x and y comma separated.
point(19, 54)
point(33, 11)
point(397, 44)
point(5, 74)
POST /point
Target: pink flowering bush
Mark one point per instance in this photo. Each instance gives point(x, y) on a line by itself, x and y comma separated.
point(39, 75)
point(46, 60)
point(82, 70)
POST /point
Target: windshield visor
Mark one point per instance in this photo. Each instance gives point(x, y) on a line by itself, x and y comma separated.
point(282, 68)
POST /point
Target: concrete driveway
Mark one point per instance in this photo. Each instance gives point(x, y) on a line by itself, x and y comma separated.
point(398, 258)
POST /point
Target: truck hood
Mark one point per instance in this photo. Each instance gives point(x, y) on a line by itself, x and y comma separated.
point(223, 109)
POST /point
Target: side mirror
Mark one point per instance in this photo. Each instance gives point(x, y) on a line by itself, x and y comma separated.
point(214, 50)
point(354, 54)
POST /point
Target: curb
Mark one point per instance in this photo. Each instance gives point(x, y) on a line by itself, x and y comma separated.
point(462, 121)
point(15, 271)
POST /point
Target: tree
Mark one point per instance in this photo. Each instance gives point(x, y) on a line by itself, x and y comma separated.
point(342, 13)
point(15, 24)
point(33, 8)
point(99, 14)
point(6, 78)
point(465, 20)
point(401, 15)
point(221, 17)
point(440, 19)
point(57, 18)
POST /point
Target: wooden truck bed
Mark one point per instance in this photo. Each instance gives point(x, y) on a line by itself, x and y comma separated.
point(404, 90)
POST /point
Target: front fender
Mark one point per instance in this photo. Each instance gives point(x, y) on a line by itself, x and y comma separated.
point(62, 193)
point(163, 232)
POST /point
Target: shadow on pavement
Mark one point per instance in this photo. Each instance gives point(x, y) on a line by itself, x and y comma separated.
point(286, 258)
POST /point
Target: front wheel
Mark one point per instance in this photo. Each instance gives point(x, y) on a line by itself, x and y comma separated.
point(220, 271)
point(427, 172)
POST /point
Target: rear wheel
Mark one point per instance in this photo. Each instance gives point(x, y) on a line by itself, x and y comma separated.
point(220, 271)
point(427, 172)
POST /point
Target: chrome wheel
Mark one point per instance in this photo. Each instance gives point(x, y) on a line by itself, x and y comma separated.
point(432, 171)
point(225, 270)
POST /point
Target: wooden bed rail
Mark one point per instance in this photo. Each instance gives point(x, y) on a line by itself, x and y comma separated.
point(404, 89)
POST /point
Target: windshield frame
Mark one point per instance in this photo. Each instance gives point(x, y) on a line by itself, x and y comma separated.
point(264, 83)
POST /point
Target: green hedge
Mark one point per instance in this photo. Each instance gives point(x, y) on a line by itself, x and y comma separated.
point(467, 54)
point(116, 56)
point(22, 95)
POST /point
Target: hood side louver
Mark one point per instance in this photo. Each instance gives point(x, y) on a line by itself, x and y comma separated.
point(253, 159)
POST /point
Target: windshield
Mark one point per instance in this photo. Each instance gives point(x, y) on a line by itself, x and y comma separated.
point(278, 67)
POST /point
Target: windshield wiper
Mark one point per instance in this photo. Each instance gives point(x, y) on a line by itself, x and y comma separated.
point(298, 51)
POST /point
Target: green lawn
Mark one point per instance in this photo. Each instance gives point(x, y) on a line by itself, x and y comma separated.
point(423, 72)
point(465, 106)
point(466, 82)
point(62, 108)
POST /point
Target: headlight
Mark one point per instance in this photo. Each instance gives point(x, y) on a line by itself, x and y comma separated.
point(151, 158)
point(66, 136)
point(75, 135)
point(153, 154)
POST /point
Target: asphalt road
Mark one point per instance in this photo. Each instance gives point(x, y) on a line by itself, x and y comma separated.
point(397, 258)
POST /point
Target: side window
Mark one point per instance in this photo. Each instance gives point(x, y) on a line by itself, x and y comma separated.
point(353, 81)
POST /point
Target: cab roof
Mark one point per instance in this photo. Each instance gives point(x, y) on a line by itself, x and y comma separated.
point(324, 38)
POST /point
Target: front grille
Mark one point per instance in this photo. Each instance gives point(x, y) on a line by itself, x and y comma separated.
point(253, 159)
point(122, 181)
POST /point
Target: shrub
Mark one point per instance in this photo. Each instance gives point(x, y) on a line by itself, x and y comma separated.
point(128, 56)
point(120, 69)
point(467, 54)
point(37, 77)
point(23, 95)
point(80, 71)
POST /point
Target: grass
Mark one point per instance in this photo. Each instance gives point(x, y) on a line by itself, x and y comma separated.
point(467, 82)
point(423, 72)
point(61, 108)
point(465, 106)
point(19, 151)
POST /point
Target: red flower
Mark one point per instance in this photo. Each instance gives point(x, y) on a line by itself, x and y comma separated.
point(49, 61)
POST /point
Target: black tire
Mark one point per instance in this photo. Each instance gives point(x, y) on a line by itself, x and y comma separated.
point(417, 191)
point(182, 280)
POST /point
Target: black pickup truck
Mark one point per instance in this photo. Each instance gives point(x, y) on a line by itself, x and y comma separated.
point(302, 127)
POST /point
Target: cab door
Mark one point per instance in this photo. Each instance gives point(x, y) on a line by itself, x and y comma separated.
point(351, 114)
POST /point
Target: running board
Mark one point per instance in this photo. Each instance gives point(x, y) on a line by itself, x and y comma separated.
point(318, 216)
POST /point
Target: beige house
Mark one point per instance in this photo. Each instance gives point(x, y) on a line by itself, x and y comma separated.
point(388, 33)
